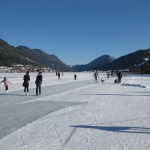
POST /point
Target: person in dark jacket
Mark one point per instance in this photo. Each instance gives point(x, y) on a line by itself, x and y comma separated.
point(58, 75)
point(75, 76)
point(119, 74)
point(38, 83)
point(26, 79)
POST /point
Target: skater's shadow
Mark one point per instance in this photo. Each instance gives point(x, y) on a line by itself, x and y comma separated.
point(140, 130)
point(121, 129)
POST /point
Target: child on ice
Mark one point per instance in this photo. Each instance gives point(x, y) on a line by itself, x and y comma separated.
point(6, 84)
point(116, 81)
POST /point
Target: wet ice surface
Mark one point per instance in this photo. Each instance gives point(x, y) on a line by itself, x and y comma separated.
point(73, 115)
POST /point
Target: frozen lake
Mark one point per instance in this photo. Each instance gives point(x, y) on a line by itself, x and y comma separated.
point(75, 114)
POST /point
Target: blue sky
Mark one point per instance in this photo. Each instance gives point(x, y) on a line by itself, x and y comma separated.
point(77, 31)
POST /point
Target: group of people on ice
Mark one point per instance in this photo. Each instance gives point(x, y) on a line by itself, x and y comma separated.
point(26, 79)
point(39, 79)
point(118, 74)
point(117, 80)
point(38, 83)
point(58, 74)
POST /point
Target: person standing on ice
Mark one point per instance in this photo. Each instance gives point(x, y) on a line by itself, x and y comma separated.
point(38, 83)
point(26, 79)
point(58, 75)
point(108, 74)
point(6, 84)
point(119, 74)
point(75, 76)
point(95, 76)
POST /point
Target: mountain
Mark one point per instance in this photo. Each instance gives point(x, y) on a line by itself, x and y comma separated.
point(127, 61)
point(44, 59)
point(100, 61)
point(10, 56)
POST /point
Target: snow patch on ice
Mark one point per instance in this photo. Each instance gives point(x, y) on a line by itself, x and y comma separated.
point(137, 85)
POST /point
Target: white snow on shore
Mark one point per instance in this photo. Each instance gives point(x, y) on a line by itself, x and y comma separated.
point(106, 116)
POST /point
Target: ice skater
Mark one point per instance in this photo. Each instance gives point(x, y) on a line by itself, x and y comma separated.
point(58, 75)
point(108, 74)
point(119, 75)
point(75, 76)
point(6, 82)
point(26, 79)
point(95, 76)
point(38, 83)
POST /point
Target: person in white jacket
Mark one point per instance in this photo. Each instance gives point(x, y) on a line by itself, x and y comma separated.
point(6, 82)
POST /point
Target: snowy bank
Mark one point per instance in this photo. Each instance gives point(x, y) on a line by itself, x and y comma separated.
point(138, 81)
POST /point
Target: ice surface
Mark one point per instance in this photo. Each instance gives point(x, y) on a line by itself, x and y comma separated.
point(76, 114)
